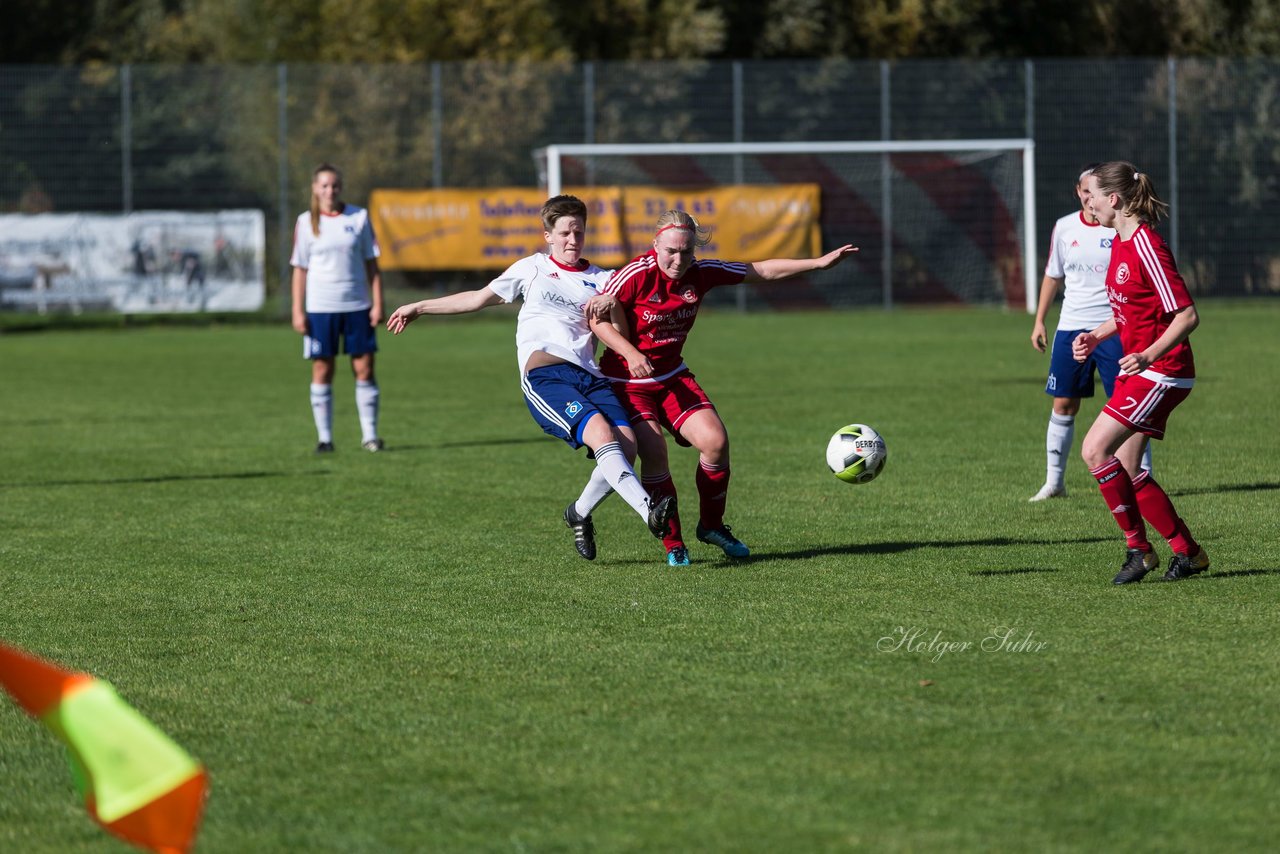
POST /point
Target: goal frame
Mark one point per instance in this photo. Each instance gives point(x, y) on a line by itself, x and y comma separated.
point(553, 156)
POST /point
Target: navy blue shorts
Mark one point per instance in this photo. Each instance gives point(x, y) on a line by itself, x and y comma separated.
point(325, 330)
point(562, 399)
point(1069, 378)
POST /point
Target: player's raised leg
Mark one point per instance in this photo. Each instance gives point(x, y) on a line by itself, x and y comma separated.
point(606, 443)
point(580, 409)
point(578, 514)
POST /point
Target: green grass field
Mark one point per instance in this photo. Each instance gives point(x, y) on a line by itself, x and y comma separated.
point(402, 652)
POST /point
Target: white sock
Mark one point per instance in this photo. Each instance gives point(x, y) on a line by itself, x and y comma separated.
point(622, 477)
point(1146, 458)
point(596, 491)
point(367, 406)
point(322, 411)
point(1057, 445)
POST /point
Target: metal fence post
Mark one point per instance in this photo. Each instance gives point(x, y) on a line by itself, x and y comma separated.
point(737, 119)
point(1173, 155)
point(282, 178)
point(126, 138)
point(589, 115)
point(437, 127)
point(1029, 189)
point(1029, 81)
point(741, 293)
point(886, 190)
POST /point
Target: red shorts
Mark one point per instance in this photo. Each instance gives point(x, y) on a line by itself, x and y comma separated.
point(1143, 404)
point(669, 402)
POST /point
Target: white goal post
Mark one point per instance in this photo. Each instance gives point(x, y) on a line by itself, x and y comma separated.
point(552, 160)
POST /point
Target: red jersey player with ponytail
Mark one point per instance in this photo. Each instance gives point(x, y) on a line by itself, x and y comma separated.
point(1154, 315)
point(658, 295)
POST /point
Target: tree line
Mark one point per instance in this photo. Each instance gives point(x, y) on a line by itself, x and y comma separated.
point(412, 31)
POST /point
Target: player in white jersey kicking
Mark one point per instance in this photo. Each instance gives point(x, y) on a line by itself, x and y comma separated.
point(555, 347)
point(337, 301)
point(1079, 252)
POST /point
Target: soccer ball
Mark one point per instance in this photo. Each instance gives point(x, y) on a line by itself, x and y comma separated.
point(856, 454)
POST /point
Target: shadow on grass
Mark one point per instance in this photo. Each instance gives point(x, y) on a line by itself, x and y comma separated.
point(1227, 487)
point(1238, 573)
point(1037, 380)
point(898, 547)
point(475, 443)
point(887, 548)
point(1019, 571)
point(160, 478)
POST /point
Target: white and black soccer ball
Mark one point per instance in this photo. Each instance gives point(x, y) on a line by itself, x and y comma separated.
point(856, 454)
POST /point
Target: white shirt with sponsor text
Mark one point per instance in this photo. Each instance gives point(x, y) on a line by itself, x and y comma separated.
point(552, 319)
point(1079, 253)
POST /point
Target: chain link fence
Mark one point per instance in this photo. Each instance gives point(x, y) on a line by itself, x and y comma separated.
point(119, 139)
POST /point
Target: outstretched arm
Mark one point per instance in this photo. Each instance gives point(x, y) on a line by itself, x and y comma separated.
point(784, 268)
point(459, 303)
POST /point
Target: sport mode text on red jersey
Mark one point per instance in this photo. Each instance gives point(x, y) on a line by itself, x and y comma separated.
point(660, 311)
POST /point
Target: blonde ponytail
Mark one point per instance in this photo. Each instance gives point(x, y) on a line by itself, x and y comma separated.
point(1136, 190)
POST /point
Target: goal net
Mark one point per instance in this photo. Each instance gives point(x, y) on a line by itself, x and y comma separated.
point(935, 221)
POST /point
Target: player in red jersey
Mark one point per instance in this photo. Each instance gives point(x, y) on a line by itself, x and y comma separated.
point(1154, 315)
point(658, 294)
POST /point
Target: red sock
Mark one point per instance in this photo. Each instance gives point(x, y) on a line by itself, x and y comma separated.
point(713, 494)
point(1117, 491)
point(657, 487)
point(1157, 509)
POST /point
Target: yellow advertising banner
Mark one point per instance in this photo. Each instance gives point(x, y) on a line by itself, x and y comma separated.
point(489, 229)
point(747, 222)
point(479, 229)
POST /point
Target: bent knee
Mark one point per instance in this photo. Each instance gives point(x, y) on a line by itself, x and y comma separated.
point(1094, 452)
point(714, 448)
point(650, 443)
point(1066, 406)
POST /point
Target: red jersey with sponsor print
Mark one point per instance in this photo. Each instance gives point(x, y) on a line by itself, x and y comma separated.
point(1145, 289)
point(660, 311)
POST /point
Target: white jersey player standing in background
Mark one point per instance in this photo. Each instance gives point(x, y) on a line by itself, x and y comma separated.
point(337, 301)
point(556, 351)
point(1079, 253)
